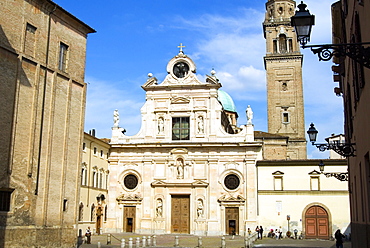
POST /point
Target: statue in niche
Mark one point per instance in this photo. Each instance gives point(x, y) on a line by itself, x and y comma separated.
point(160, 125)
point(180, 169)
point(115, 118)
point(200, 124)
point(284, 86)
point(159, 208)
point(200, 208)
point(249, 114)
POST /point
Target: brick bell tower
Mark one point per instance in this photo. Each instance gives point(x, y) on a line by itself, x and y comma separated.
point(283, 64)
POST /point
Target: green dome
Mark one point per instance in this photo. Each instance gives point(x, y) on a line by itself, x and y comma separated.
point(226, 101)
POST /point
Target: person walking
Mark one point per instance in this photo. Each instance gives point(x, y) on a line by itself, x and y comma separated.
point(277, 234)
point(88, 236)
point(261, 232)
point(339, 239)
point(258, 232)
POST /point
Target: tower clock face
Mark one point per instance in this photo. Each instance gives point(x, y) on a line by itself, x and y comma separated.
point(180, 69)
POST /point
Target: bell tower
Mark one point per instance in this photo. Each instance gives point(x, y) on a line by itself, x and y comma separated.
point(283, 64)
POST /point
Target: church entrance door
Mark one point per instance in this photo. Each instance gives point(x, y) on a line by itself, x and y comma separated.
point(180, 215)
point(317, 223)
point(129, 219)
point(232, 220)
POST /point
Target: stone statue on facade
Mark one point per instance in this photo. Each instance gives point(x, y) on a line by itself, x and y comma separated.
point(200, 124)
point(200, 208)
point(249, 114)
point(159, 208)
point(180, 169)
point(115, 118)
point(160, 125)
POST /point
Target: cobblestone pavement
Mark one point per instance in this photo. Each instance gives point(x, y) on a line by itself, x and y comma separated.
point(168, 240)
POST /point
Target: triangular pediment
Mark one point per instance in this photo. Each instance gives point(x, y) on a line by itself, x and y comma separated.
point(278, 173)
point(200, 183)
point(129, 197)
point(314, 172)
point(238, 198)
point(158, 183)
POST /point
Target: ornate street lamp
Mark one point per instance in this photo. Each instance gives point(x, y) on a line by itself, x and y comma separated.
point(303, 21)
point(342, 148)
point(341, 176)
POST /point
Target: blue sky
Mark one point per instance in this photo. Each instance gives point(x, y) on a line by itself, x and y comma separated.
point(135, 38)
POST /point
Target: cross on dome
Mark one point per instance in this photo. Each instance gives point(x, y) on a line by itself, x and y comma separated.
point(181, 46)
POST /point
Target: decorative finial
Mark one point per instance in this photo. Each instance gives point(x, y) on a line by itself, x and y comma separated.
point(181, 46)
point(213, 72)
point(150, 75)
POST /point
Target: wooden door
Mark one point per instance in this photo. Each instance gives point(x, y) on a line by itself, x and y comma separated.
point(232, 220)
point(317, 223)
point(180, 214)
point(129, 214)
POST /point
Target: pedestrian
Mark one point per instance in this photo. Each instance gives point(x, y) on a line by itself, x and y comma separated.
point(88, 235)
point(280, 233)
point(277, 234)
point(295, 233)
point(261, 232)
point(339, 237)
point(249, 231)
point(258, 232)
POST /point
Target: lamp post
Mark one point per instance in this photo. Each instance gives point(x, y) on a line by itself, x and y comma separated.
point(303, 21)
point(342, 148)
point(341, 176)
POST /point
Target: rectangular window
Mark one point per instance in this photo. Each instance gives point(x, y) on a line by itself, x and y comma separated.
point(278, 183)
point(84, 146)
point(315, 183)
point(285, 117)
point(63, 53)
point(180, 128)
point(30, 40)
point(95, 150)
point(101, 153)
point(5, 197)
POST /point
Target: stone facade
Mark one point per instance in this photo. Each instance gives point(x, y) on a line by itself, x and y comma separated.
point(187, 170)
point(191, 169)
point(350, 25)
point(92, 210)
point(283, 63)
point(42, 101)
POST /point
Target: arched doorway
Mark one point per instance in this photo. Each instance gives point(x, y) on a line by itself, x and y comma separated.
point(316, 223)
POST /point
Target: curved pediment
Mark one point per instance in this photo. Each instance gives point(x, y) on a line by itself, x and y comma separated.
point(180, 100)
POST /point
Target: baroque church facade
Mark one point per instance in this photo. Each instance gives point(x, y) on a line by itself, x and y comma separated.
point(191, 169)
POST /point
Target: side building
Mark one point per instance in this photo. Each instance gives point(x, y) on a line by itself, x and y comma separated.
point(350, 25)
point(94, 184)
point(42, 103)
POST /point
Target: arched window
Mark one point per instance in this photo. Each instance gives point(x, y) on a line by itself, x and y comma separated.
point(282, 44)
point(101, 179)
point(92, 217)
point(105, 213)
point(80, 212)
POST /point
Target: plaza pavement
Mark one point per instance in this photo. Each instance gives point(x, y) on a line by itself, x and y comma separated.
point(168, 240)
